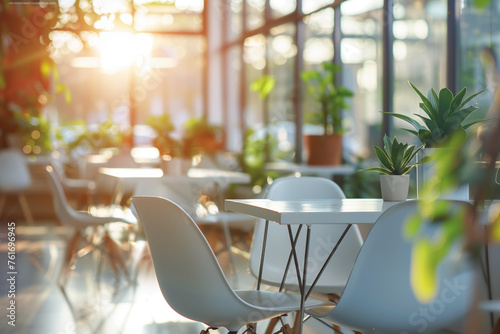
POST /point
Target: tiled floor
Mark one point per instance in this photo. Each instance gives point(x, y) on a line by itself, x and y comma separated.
point(95, 306)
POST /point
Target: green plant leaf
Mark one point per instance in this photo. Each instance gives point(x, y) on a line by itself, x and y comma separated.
point(428, 105)
point(379, 170)
point(481, 4)
point(410, 120)
point(423, 276)
point(384, 159)
point(445, 98)
point(468, 99)
point(457, 100)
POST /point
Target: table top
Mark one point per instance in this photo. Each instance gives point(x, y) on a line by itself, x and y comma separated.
point(309, 169)
point(131, 173)
point(217, 175)
point(352, 210)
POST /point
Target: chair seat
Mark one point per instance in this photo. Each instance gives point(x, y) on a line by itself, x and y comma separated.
point(285, 302)
point(330, 286)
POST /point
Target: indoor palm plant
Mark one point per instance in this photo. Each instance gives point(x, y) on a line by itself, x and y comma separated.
point(444, 119)
point(444, 116)
point(397, 160)
point(330, 100)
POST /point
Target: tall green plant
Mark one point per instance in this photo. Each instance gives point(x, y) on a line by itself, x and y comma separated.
point(329, 97)
point(444, 116)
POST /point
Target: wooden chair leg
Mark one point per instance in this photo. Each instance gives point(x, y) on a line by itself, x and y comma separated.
point(296, 323)
point(26, 209)
point(496, 329)
point(3, 198)
point(271, 325)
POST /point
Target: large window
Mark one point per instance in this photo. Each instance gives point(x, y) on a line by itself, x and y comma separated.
point(140, 58)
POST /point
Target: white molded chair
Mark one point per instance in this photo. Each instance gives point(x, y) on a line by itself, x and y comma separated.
point(378, 297)
point(186, 192)
point(191, 278)
point(322, 240)
point(15, 178)
point(80, 221)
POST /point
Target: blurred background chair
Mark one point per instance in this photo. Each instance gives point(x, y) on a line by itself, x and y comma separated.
point(15, 178)
point(378, 297)
point(323, 239)
point(91, 229)
point(191, 278)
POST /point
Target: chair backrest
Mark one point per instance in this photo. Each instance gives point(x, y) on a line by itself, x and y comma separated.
point(62, 208)
point(14, 173)
point(187, 270)
point(323, 238)
point(379, 295)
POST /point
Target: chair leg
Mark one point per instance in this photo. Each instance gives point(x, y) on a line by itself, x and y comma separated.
point(26, 209)
point(115, 256)
point(69, 259)
point(496, 329)
point(271, 325)
point(296, 323)
point(2, 203)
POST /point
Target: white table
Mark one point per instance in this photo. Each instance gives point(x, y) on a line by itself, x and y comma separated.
point(132, 176)
point(305, 169)
point(339, 211)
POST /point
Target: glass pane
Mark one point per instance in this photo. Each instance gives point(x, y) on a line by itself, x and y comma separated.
point(318, 48)
point(173, 82)
point(361, 54)
point(419, 56)
point(319, 33)
point(255, 13)
point(164, 77)
point(309, 6)
point(183, 16)
point(282, 53)
point(234, 139)
point(254, 57)
point(479, 55)
point(282, 7)
point(235, 19)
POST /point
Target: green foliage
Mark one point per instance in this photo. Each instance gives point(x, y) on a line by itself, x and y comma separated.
point(77, 137)
point(264, 85)
point(481, 4)
point(445, 116)
point(253, 157)
point(35, 130)
point(395, 157)
point(330, 97)
point(202, 137)
point(428, 252)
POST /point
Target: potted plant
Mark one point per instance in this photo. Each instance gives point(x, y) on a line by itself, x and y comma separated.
point(444, 119)
point(202, 137)
point(396, 160)
point(326, 149)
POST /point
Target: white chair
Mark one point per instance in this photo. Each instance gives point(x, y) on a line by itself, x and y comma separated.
point(15, 178)
point(80, 221)
point(322, 241)
point(191, 279)
point(186, 192)
point(378, 297)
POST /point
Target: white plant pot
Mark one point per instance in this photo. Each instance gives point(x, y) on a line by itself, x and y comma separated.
point(394, 187)
point(176, 166)
point(426, 171)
